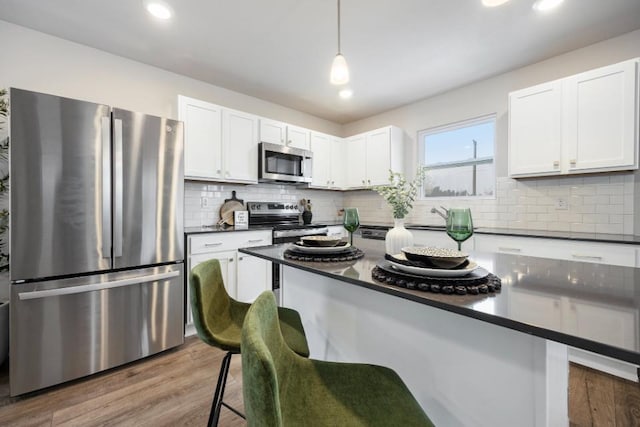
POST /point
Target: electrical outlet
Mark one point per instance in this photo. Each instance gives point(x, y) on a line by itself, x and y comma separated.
point(204, 202)
point(562, 203)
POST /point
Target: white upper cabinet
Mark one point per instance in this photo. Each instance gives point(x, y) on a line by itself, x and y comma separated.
point(579, 124)
point(371, 155)
point(203, 138)
point(275, 132)
point(328, 161)
point(601, 128)
point(220, 144)
point(240, 146)
point(535, 131)
point(298, 137)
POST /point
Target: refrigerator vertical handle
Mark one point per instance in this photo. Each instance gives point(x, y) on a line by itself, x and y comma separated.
point(118, 188)
point(106, 186)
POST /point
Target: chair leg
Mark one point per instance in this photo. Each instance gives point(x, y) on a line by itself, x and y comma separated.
point(217, 403)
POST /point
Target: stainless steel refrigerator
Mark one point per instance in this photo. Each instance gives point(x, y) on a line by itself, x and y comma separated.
point(96, 238)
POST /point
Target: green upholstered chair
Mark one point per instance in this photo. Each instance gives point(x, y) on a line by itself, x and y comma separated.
point(218, 318)
point(283, 389)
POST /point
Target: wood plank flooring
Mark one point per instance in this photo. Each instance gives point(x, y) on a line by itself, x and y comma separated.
point(598, 399)
point(175, 388)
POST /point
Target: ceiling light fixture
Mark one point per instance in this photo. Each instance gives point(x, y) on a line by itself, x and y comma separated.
point(339, 69)
point(345, 93)
point(493, 3)
point(545, 5)
point(158, 9)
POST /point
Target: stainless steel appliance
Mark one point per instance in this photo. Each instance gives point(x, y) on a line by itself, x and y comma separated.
point(285, 220)
point(280, 163)
point(96, 238)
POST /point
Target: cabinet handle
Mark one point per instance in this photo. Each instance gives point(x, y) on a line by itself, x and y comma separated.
point(509, 249)
point(556, 164)
point(289, 142)
point(333, 182)
point(328, 182)
point(254, 240)
point(230, 259)
point(573, 161)
point(240, 258)
point(363, 181)
point(591, 257)
point(208, 245)
point(218, 171)
point(369, 181)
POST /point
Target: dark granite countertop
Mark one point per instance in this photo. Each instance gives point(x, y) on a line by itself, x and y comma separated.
point(594, 307)
point(564, 235)
point(516, 232)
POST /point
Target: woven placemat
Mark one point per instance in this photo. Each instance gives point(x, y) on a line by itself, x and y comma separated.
point(447, 285)
point(349, 255)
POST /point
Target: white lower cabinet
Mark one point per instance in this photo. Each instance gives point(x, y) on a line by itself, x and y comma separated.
point(570, 250)
point(245, 276)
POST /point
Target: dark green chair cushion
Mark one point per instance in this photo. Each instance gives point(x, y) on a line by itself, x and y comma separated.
point(283, 389)
point(218, 318)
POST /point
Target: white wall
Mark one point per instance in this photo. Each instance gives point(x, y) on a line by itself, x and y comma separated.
point(532, 205)
point(36, 61)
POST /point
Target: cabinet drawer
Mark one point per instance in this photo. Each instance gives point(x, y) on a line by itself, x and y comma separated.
point(225, 241)
point(570, 250)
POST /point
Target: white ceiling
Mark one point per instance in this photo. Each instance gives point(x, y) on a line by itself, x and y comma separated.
point(281, 50)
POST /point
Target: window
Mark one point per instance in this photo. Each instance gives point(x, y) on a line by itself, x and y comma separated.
point(458, 158)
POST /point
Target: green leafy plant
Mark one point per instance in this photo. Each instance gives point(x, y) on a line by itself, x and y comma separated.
point(4, 181)
point(400, 193)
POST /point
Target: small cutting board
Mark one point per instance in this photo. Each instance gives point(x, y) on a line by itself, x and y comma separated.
point(229, 207)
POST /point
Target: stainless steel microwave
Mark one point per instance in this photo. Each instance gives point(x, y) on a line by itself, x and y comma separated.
point(280, 163)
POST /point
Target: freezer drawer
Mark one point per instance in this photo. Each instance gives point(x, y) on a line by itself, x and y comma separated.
point(66, 329)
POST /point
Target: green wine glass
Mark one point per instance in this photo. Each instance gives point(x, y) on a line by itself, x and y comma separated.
point(459, 225)
point(351, 222)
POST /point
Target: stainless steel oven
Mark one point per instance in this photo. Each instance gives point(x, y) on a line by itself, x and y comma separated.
point(280, 163)
point(287, 228)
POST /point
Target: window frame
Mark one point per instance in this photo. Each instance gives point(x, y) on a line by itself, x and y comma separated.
point(421, 134)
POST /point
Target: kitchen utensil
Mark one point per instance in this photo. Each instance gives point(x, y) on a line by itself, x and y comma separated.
point(320, 240)
point(300, 247)
point(436, 257)
point(228, 208)
point(433, 272)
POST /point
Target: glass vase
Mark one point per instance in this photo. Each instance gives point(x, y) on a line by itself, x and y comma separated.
point(397, 238)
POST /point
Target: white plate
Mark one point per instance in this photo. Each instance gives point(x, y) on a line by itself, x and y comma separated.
point(435, 272)
point(299, 247)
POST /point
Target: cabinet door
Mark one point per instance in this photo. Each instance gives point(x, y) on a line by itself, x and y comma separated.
point(227, 268)
point(338, 163)
point(240, 146)
point(535, 133)
point(356, 161)
point(378, 155)
point(272, 132)
point(298, 137)
point(601, 130)
point(202, 138)
point(254, 277)
point(321, 147)
point(602, 323)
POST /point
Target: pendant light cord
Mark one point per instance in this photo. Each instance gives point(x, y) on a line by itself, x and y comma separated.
point(339, 52)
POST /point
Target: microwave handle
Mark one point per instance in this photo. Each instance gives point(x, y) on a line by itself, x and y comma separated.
point(302, 166)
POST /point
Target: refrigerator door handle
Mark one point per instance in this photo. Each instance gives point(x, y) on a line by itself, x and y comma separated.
point(96, 286)
point(118, 188)
point(106, 187)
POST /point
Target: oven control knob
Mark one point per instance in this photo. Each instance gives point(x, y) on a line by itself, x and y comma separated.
point(257, 207)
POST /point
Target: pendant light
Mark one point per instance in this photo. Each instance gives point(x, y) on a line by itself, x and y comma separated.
point(339, 69)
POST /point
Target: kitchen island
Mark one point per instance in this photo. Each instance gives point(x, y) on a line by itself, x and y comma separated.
point(493, 359)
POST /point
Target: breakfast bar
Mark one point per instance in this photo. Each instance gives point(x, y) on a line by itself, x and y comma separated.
point(499, 358)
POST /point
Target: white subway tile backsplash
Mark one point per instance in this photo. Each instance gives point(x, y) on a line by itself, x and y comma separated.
point(599, 203)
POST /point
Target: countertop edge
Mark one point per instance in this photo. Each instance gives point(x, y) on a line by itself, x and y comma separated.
point(581, 343)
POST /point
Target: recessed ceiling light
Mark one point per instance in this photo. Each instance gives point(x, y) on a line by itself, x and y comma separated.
point(544, 5)
point(345, 93)
point(493, 3)
point(158, 9)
